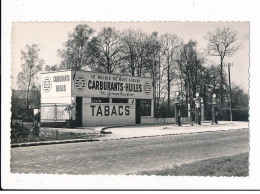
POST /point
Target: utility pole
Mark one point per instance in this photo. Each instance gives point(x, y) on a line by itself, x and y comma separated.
point(230, 103)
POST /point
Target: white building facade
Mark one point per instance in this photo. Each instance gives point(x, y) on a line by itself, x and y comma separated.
point(97, 99)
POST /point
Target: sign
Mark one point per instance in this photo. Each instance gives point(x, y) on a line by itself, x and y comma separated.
point(46, 84)
point(90, 84)
point(108, 114)
point(80, 83)
point(106, 110)
point(56, 87)
point(59, 86)
point(147, 88)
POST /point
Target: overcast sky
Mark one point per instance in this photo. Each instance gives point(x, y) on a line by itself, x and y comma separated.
point(51, 36)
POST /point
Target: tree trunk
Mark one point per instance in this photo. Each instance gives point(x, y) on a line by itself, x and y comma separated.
point(159, 86)
point(169, 89)
point(154, 95)
point(27, 95)
point(132, 68)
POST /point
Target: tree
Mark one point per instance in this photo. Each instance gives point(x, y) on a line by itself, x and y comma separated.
point(141, 52)
point(129, 53)
point(240, 103)
point(52, 68)
point(190, 66)
point(239, 97)
point(170, 44)
point(74, 54)
point(154, 67)
point(221, 44)
point(31, 65)
point(105, 50)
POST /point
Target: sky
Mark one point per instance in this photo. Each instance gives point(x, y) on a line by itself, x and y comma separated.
point(51, 36)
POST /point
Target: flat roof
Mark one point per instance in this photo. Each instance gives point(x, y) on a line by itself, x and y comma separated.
point(47, 72)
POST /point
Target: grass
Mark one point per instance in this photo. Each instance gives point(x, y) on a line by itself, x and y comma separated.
point(223, 166)
point(52, 136)
point(21, 133)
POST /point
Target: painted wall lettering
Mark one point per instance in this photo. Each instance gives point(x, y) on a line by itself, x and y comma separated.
point(108, 85)
point(46, 83)
point(109, 110)
point(60, 88)
point(61, 78)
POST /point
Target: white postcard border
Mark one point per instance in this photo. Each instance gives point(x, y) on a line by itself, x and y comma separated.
point(118, 10)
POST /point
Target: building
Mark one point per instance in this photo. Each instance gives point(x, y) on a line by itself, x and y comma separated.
point(94, 99)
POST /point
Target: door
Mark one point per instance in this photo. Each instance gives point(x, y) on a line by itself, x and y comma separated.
point(137, 112)
point(78, 111)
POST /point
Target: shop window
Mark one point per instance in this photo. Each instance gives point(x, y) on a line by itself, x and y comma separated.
point(145, 107)
point(99, 100)
point(119, 100)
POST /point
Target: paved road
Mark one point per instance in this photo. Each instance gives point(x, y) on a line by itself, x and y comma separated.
point(127, 156)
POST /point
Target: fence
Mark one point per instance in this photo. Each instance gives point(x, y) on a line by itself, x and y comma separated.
point(53, 115)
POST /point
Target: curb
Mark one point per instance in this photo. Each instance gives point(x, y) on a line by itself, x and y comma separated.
point(92, 140)
point(51, 142)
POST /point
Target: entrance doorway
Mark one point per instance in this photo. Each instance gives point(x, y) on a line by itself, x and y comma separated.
point(137, 112)
point(78, 111)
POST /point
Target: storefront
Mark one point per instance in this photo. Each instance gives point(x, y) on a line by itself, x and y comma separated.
point(94, 99)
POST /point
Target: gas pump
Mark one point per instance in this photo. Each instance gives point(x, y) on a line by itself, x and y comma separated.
point(177, 110)
point(214, 110)
point(197, 109)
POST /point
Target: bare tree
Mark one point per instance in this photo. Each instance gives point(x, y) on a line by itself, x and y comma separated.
point(105, 50)
point(141, 57)
point(31, 65)
point(190, 65)
point(169, 45)
point(74, 54)
point(129, 40)
point(141, 52)
point(221, 43)
point(154, 66)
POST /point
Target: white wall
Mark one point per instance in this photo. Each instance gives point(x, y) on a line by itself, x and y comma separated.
point(52, 113)
point(57, 100)
point(153, 120)
point(56, 87)
point(106, 114)
point(55, 90)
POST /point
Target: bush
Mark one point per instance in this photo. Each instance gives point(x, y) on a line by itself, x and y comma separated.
point(19, 131)
point(241, 114)
point(37, 117)
point(36, 129)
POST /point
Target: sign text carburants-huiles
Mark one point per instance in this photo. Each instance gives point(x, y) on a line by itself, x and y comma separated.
point(114, 86)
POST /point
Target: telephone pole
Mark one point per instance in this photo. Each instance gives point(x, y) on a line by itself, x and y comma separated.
point(230, 102)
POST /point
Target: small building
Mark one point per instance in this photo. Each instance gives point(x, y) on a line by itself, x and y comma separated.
point(95, 99)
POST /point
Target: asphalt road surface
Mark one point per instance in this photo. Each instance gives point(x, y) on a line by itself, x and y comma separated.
point(129, 155)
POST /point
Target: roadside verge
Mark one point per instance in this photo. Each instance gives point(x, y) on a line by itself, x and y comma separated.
point(126, 132)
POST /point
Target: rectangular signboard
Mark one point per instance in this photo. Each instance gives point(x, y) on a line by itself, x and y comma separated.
point(56, 87)
point(91, 84)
